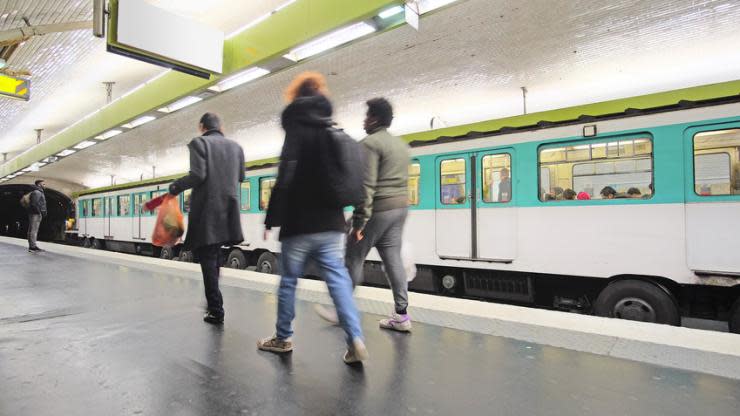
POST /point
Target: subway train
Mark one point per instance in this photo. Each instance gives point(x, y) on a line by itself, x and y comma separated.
point(633, 215)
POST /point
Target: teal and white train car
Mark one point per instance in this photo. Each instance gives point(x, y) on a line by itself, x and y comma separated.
point(664, 247)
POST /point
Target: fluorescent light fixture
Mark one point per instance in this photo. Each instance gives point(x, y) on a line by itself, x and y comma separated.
point(85, 144)
point(66, 152)
point(390, 12)
point(2, 63)
point(181, 103)
point(28, 169)
point(429, 5)
point(241, 78)
point(40, 164)
point(139, 121)
point(108, 134)
point(331, 40)
point(17, 174)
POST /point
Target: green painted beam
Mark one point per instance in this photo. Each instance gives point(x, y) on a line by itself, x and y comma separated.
point(642, 102)
point(295, 24)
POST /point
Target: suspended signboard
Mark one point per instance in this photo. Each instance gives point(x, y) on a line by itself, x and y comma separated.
point(141, 31)
point(12, 87)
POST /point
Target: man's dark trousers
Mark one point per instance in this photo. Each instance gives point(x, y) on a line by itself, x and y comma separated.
point(210, 264)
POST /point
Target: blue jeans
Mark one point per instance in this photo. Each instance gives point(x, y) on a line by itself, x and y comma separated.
point(327, 249)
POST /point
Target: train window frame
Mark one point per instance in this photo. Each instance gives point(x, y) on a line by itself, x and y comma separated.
point(127, 205)
point(248, 186)
point(111, 206)
point(84, 208)
point(261, 182)
point(93, 212)
point(465, 197)
point(717, 151)
point(607, 141)
point(418, 183)
point(481, 176)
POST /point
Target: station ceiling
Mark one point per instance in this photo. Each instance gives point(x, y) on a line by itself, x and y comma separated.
point(466, 64)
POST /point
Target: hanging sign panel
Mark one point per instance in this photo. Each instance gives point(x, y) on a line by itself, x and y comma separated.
point(12, 87)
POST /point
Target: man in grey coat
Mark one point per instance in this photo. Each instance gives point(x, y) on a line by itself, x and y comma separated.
point(216, 171)
point(36, 212)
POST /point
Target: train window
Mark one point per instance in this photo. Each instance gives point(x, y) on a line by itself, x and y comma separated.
point(110, 206)
point(452, 188)
point(186, 200)
point(124, 205)
point(139, 200)
point(414, 178)
point(717, 163)
point(244, 195)
point(97, 208)
point(85, 209)
point(601, 170)
point(496, 172)
point(266, 185)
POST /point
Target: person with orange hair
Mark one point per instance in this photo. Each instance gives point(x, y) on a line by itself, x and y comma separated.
point(309, 227)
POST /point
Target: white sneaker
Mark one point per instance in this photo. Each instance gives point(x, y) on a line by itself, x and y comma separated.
point(326, 313)
point(396, 322)
point(357, 352)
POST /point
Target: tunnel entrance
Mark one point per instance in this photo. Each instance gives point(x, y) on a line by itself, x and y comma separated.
point(14, 218)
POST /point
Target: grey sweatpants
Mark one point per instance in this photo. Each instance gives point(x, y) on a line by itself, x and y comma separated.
point(384, 231)
point(34, 220)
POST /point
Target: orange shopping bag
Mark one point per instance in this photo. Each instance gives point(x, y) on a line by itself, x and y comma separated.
point(170, 225)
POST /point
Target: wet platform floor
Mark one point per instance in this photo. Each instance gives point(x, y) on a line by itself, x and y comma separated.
point(87, 337)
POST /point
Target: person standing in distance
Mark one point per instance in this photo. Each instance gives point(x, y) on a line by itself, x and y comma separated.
point(216, 171)
point(378, 222)
point(309, 227)
point(36, 212)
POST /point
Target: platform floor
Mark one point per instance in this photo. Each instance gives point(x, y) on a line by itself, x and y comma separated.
point(89, 337)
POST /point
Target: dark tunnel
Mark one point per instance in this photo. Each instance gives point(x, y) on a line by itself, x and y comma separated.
point(14, 218)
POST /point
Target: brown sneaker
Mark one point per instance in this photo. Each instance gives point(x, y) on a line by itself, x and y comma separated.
point(275, 344)
point(357, 352)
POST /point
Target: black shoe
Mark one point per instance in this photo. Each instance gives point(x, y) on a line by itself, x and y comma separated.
point(34, 249)
point(213, 319)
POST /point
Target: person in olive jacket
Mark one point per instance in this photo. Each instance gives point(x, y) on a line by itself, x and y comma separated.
point(216, 171)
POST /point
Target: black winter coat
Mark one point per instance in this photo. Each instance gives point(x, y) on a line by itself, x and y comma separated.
point(294, 205)
point(216, 170)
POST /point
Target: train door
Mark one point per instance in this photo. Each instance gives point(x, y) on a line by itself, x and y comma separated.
point(475, 216)
point(712, 195)
point(495, 218)
point(108, 212)
point(139, 199)
point(83, 211)
point(453, 213)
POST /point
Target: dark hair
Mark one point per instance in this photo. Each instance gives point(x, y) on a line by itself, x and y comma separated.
point(569, 194)
point(557, 190)
point(210, 121)
point(38, 181)
point(380, 109)
point(633, 191)
point(608, 190)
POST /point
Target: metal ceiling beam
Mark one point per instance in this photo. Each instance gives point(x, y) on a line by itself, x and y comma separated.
point(14, 36)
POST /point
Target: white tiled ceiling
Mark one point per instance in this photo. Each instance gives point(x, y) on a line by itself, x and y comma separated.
point(466, 64)
point(68, 68)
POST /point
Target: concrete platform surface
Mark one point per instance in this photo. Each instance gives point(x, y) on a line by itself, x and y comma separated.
point(98, 338)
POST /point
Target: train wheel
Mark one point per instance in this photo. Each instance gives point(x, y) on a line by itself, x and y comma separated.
point(734, 321)
point(166, 253)
point(186, 256)
point(267, 263)
point(236, 259)
point(86, 243)
point(97, 244)
point(637, 300)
